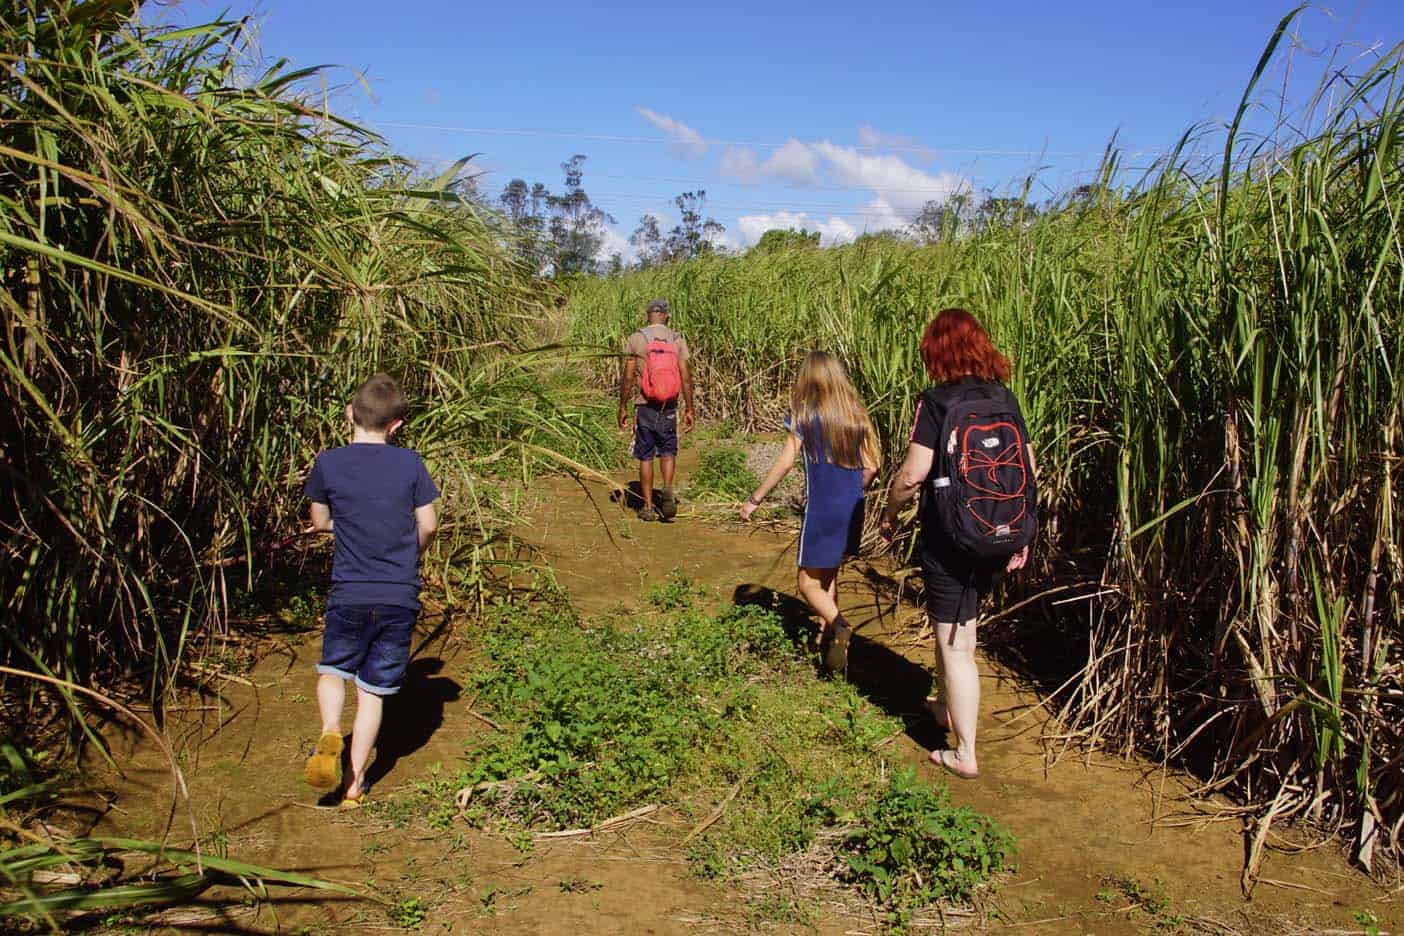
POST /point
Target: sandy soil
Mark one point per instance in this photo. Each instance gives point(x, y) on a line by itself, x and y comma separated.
point(1081, 824)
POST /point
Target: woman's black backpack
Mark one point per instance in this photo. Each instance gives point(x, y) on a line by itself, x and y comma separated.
point(982, 482)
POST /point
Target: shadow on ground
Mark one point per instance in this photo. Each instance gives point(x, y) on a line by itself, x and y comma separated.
point(412, 715)
point(884, 677)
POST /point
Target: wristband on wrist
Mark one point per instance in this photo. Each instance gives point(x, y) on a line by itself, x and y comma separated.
point(754, 501)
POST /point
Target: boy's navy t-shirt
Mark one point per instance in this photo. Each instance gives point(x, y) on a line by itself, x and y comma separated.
point(373, 490)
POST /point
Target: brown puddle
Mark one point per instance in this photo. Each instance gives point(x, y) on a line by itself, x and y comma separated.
point(1081, 824)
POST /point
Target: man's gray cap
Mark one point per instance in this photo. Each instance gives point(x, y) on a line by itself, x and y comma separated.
point(658, 305)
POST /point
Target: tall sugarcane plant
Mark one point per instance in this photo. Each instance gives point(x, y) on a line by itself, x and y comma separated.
point(200, 262)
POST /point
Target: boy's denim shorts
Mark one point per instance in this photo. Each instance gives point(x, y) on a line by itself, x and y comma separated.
point(368, 643)
point(655, 430)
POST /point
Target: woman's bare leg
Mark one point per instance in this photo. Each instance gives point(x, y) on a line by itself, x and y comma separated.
point(936, 696)
point(956, 643)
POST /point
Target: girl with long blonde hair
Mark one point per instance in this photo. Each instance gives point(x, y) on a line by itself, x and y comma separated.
point(830, 425)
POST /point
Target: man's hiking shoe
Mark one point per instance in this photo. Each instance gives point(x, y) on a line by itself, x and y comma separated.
point(667, 504)
point(321, 768)
point(833, 646)
point(648, 515)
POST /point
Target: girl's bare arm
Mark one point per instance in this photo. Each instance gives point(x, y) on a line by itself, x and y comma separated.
point(872, 461)
point(783, 463)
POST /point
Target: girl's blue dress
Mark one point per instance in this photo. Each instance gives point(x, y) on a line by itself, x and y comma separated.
point(833, 505)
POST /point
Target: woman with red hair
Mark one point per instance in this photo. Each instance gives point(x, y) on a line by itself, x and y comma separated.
point(968, 376)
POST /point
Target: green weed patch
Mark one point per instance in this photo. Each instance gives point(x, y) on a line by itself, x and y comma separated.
point(722, 475)
point(913, 847)
point(721, 716)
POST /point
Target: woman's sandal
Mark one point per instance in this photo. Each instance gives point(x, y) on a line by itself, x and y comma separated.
point(321, 768)
point(950, 760)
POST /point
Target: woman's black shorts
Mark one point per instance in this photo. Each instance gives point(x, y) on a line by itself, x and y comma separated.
point(954, 581)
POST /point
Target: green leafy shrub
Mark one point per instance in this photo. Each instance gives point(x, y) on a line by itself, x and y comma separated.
point(675, 594)
point(912, 847)
point(604, 718)
point(722, 475)
point(721, 716)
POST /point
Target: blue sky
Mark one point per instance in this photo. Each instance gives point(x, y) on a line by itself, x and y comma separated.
point(841, 117)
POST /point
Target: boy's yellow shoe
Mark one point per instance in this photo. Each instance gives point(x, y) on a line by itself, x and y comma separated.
point(321, 769)
point(354, 802)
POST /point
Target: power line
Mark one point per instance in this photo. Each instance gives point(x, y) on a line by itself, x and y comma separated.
point(756, 144)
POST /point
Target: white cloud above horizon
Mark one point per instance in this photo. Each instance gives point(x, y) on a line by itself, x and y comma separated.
point(794, 162)
point(879, 164)
point(897, 185)
point(870, 138)
point(686, 143)
point(617, 243)
point(835, 230)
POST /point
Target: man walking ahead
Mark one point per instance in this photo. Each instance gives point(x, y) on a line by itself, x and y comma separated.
point(655, 373)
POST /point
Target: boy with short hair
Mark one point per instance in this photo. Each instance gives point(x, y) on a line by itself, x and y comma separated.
point(377, 501)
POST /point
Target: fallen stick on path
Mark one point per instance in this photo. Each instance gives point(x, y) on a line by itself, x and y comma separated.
point(607, 825)
point(707, 823)
point(487, 721)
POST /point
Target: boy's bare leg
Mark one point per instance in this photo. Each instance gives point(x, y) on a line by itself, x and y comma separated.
point(331, 699)
point(669, 464)
point(369, 709)
point(320, 770)
point(646, 482)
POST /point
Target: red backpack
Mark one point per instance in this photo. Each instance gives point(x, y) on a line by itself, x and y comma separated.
point(662, 377)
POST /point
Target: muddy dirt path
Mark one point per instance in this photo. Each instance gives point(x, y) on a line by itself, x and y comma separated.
point(1085, 827)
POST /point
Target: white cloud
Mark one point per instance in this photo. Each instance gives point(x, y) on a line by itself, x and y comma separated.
point(870, 138)
point(833, 231)
point(740, 162)
point(726, 240)
point(616, 243)
point(687, 142)
point(794, 162)
point(899, 187)
point(881, 165)
point(878, 215)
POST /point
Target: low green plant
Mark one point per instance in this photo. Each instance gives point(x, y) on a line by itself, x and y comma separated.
point(408, 913)
point(676, 593)
point(720, 715)
point(722, 474)
point(427, 800)
point(1369, 921)
point(911, 847)
point(598, 726)
point(1150, 899)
